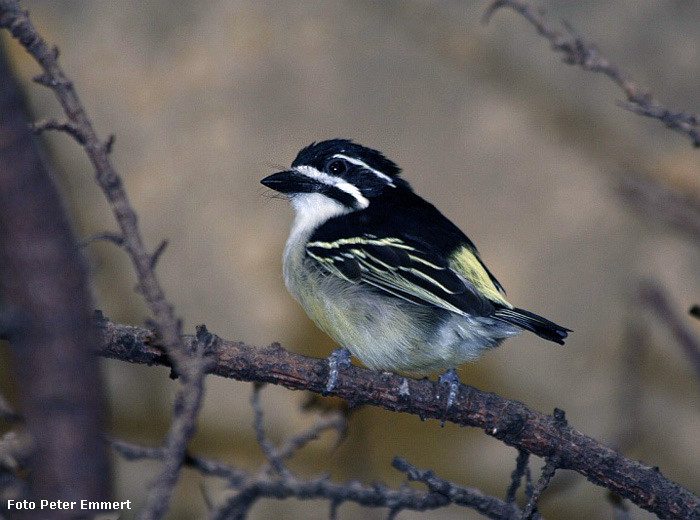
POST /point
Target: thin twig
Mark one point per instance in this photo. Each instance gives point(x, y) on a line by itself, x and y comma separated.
point(660, 203)
point(488, 506)
point(182, 428)
point(655, 298)
point(281, 487)
point(209, 467)
point(333, 420)
point(576, 51)
point(61, 126)
point(270, 452)
point(521, 466)
point(548, 471)
point(114, 238)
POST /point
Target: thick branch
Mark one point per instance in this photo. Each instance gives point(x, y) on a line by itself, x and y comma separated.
point(43, 285)
point(509, 421)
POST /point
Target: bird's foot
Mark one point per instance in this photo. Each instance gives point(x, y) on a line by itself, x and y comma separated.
point(337, 361)
point(451, 381)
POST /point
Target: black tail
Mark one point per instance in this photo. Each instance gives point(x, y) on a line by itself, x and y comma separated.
point(534, 323)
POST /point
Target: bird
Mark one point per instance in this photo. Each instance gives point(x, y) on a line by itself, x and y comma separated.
point(384, 273)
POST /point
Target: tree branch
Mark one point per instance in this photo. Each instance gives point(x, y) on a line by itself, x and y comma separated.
point(46, 316)
point(576, 51)
point(661, 203)
point(488, 506)
point(189, 367)
point(509, 421)
point(653, 295)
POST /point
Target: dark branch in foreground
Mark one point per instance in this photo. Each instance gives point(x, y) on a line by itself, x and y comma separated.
point(509, 421)
point(46, 315)
point(576, 51)
point(189, 367)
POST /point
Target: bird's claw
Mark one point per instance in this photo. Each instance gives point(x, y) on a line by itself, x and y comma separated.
point(337, 361)
point(450, 379)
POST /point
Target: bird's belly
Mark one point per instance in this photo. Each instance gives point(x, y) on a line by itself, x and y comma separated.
point(389, 333)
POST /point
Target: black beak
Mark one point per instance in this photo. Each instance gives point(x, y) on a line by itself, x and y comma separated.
point(289, 181)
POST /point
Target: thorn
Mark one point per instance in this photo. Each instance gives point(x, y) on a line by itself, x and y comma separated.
point(56, 53)
point(695, 309)
point(157, 253)
point(109, 144)
point(559, 417)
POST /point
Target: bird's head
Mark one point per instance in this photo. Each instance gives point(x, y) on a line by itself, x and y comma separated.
point(336, 177)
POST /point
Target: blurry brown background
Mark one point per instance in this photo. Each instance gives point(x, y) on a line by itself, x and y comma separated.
point(516, 148)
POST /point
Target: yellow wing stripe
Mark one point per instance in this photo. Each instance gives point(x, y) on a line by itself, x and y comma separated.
point(393, 242)
point(464, 262)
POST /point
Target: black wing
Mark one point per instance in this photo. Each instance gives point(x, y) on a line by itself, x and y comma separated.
point(406, 254)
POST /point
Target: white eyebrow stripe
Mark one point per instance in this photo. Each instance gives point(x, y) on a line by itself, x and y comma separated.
point(366, 166)
point(337, 182)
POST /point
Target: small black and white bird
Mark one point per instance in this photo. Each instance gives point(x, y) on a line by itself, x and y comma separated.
point(383, 272)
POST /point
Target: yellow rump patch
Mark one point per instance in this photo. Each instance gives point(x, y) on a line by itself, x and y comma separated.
point(466, 263)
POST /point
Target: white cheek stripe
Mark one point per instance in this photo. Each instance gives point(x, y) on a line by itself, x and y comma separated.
point(337, 182)
point(366, 166)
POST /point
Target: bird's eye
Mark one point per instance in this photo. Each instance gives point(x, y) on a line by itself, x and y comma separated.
point(336, 167)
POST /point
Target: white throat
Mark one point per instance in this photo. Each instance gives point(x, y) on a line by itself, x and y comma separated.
point(312, 210)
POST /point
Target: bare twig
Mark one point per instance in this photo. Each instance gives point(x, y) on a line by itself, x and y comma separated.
point(548, 471)
point(377, 495)
point(576, 51)
point(270, 452)
point(333, 420)
point(521, 466)
point(262, 486)
point(62, 126)
point(509, 421)
point(280, 486)
point(158, 253)
point(655, 297)
point(488, 506)
point(185, 410)
point(114, 238)
point(209, 467)
point(661, 204)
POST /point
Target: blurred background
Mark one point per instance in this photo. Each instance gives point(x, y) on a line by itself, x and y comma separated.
point(518, 149)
